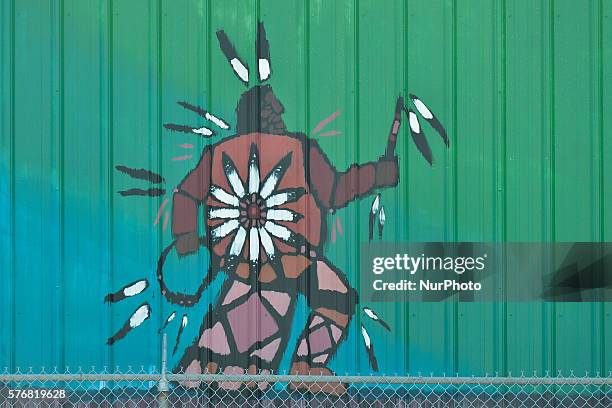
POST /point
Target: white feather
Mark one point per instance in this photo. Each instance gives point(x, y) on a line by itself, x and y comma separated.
point(366, 337)
point(203, 131)
point(414, 122)
point(217, 121)
point(264, 69)
point(136, 288)
point(370, 313)
point(376, 204)
point(240, 69)
point(423, 110)
point(139, 316)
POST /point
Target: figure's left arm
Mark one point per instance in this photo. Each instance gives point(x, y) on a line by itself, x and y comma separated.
point(337, 189)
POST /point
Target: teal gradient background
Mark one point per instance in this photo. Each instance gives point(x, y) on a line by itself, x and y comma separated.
point(519, 85)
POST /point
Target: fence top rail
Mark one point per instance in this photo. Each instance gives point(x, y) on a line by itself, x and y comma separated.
point(353, 379)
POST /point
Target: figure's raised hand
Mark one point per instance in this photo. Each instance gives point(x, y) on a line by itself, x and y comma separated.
point(387, 171)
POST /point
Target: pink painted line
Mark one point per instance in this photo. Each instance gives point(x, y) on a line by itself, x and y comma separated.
point(339, 224)
point(325, 121)
point(186, 146)
point(159, 211)
point(187, 156)
point(165, 220)
point(333, 237)
point(331, 133)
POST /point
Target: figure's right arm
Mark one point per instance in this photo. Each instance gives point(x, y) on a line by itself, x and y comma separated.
point(188, 197)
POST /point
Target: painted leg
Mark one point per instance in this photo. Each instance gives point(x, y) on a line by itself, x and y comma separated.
point(333, 302)
point(246, 330)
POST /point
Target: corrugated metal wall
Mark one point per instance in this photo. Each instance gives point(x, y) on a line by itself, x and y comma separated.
point(520, 85)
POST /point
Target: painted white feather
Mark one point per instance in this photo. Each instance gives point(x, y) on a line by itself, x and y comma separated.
point(240, 69)
point(139, 316)
point(366, 337)
point(135, 288)
point(423, 110)
point(264, 69)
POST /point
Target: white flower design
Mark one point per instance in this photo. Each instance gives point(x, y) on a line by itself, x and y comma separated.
point(253, 209)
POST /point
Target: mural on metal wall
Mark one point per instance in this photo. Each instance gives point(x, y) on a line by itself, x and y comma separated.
point(266, 193)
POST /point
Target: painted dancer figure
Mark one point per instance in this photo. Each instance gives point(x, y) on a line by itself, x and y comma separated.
point(265, 193)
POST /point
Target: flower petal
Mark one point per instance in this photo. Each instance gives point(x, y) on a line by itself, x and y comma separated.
point(285, 196)
point(254, 245)
point(238, 242)
point(223, 196)
point(282, 215)
point(224, 229)
point(266, 242)
point(232, 175)
point(275, 176)
point(278, 231)
point(223, 213)
point(253, 170)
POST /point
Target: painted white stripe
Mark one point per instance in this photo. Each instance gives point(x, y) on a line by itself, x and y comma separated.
point(139, 316)
point(224, 213)
point(264, 69)
point(366, 337)
point(376, 204)
point(266, 242)
point(381, 217)
point(235, 182)
point(240, 69)
point(281, 215)
point(136, 288)
point(238, 242)
point(277, 199)
point(423, 110)
point(254, 244)
point(269, 185)
point(414, 122)
point(217, 121)
point(223, 196)
point(277, 230)
point(171, 317)
point(370, 313)
point(184, 321)
point(253, 178)
point(225, 228)
point(203, 131)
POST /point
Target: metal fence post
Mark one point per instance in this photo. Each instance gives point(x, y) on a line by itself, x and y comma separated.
point(162, 387)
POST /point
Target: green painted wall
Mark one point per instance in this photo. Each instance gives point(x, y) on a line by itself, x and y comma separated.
point(519, 84)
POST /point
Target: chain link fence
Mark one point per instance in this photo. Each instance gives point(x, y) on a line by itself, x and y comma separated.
point(97, 388)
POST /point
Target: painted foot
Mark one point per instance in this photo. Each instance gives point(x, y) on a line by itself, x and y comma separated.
point(196, 368)
point(328, 387)
point(262, 385)
point(231, 385)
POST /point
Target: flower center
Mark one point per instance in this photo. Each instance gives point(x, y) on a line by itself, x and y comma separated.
point(253, 211)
